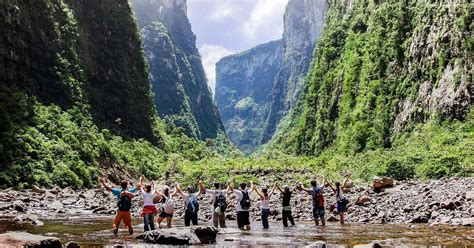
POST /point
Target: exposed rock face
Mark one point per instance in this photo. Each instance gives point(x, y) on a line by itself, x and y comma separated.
point(243, 82)
point(69, 53)
point(303, 24)
point(250, 127)
point(179, 84)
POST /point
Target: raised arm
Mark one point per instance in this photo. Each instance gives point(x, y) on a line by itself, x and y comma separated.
point(202, 189)
point(229, 187)
point(278, 188)
point(272, 191)
point(330, 185)
point(153, 188)
point(178, 190)
point(107, 187)
point(256, 190)
point(344, 185)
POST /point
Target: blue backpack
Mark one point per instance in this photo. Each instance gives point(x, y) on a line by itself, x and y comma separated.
point(193, 204)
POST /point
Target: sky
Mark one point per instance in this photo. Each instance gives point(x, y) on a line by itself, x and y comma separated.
point(225, 27)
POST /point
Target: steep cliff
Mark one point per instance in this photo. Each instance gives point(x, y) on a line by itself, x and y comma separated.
point(68, 69)
point(179, 84)
point(381, 69)
point(243, 82)
point(303, 24)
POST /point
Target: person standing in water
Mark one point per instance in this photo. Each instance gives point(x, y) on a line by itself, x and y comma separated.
point(341, 200)
point(124, 204)
point(219, 202)
point(286, 204)
point(167, 206)
point(191, 204)
point(149, 209)
point(242, 206)
point(264, 204)
point(318, 200)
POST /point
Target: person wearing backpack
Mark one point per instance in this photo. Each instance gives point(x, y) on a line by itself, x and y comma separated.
point(167, 206)
point(286, 204)
point(218, 201)
point(242, 206)
point(149, 209)
point(318, 200)
point(124, 204)
point(191, 204)
point(341, 200)
point(264, 203)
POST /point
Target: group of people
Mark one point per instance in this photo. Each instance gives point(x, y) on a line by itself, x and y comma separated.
point(165, 200)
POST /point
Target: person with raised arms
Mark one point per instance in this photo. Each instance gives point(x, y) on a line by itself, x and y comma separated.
point(149, 209)
point(124, 197)
point(318, 200)
point(242, 206)
point(264, 203)
point(167, 206)
point(191, 204)
point(341, 200)
point(219, 202)
point(286, 204)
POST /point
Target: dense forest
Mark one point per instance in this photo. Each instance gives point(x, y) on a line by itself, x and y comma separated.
point(388, 92)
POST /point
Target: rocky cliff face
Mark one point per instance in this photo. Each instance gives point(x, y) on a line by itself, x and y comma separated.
point(303, 24)
point(242, 86)
point(179, 84)
point(76, 53)
point(381, 69)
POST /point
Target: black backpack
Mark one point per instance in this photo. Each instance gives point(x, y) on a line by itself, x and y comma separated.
point(193, 204)
point(245, 202)
point(125, 202)
point(220, 202)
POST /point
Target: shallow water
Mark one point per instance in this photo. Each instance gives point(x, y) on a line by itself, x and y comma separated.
point(97, 233)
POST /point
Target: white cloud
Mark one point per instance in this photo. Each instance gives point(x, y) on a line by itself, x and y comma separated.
point(265, 18)
point(211, 54)
point(222, 11)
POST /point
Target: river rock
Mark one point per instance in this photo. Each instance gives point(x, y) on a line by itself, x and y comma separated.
point(24, 239)
point(467, 221)
point(448, 204)
point(207, 235)
point(37, 189)
point(379, 183)
point(332, 218)
point(56, 205)
point(317, 244)
point(180, 236)
point(72, 244)
point(30, 218)
point(470, 195)
point(361, 200)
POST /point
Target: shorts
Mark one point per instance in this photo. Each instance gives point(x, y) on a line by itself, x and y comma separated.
point(318, 212)
point(124, 216)
point(341, 207)
point(163, 214)
point(243, 218)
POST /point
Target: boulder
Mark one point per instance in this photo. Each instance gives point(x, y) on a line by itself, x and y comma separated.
point(180, 236)
point(56, 205)
point(379, 183)
point(448, 204)
point(72, 244)
point(332, 218)
point(36, 189)
point(467, 221)
point(361, 200)
point(317, 244)
point(30, 218)
point(470, 195)
point(24, 239)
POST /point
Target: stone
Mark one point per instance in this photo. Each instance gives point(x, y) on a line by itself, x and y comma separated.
point(180, 236)
point(467, 221)
point(317, 244)
point(56, 205)
point(361, 200)
point(470, 195)
point(448, 204)
point(379, 183)
point(37, 189)
point(206, 235)
point(24, 239)
point(72, 244)
point(445, 220)
point(332, 218)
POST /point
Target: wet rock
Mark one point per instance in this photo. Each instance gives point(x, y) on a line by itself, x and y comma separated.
point(206, 235)
point(317, 244)
point(445, 220)
point(332, 218)
point(467, 221)
point(23, 239)
point(380, 183)
point(72, 244)
point(29, 218)
point(420, 218)
point(56, 205)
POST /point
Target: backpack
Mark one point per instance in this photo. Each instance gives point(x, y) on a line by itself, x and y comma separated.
point(193, 204)
point(125, 202)
point(220, 202)
point(168, 205)
point(319, 198)
point(245, 202)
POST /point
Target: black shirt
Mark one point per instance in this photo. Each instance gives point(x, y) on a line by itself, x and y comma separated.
point(286, 198)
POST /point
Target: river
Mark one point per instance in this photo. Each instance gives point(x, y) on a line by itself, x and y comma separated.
point(97, 233)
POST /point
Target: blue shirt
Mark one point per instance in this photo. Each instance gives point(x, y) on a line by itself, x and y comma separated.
point(116, 192)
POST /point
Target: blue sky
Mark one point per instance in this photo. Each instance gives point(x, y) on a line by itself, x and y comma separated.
point(225, 27)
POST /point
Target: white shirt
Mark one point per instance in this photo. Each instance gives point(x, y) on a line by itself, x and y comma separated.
point(239, 195)
point(213, 194)
point(341, 195)
point(265, 203)
point(148, 198)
